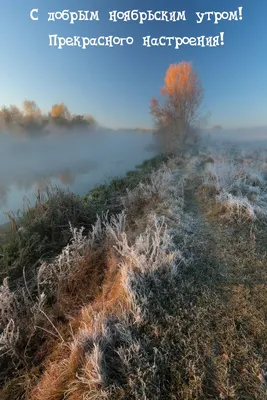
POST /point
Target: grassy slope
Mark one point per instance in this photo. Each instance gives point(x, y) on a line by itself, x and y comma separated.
point(201, 332)
point(46, 225)
point(45, 233)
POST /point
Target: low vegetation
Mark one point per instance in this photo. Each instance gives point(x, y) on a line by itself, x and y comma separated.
point(160, 297)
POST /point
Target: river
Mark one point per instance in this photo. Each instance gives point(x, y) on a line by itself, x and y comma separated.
point(75, 160)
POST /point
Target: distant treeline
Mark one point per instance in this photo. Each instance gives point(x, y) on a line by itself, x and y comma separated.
point(30, 119)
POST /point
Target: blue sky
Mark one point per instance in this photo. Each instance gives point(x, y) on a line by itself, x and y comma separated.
point(115, 85)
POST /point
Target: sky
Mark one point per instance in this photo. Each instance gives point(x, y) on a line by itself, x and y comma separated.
point(115, 85)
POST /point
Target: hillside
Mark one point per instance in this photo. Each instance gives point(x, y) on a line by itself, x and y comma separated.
point(152, 287)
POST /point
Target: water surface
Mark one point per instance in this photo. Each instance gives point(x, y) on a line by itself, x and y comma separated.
point(75, 160)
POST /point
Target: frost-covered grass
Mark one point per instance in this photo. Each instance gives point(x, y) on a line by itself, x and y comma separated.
point(238, 207)
point(161, 192)
point(238, 183)
point(149, 302)
point(106, 337)
point(49, 287)
point(41, 230)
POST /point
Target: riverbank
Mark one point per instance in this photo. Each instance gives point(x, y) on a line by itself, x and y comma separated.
point(162, 297)
point(47, 222)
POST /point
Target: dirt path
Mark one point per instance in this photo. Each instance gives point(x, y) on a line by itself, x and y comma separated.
point(234, 271)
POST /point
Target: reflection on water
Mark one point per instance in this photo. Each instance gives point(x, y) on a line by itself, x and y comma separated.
point(75, 160)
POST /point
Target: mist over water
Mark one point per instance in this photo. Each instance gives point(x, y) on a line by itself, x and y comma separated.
point(243, 137)
point(80, 160)
point(75, 160)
